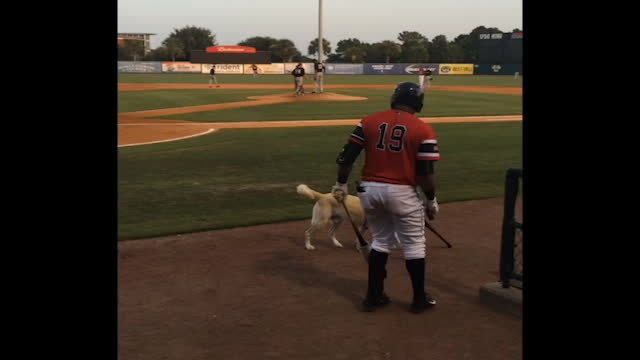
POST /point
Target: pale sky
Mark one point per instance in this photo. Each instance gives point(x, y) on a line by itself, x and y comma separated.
point(368, 20)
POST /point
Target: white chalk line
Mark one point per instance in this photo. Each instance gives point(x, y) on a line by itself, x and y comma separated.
point(172, 139)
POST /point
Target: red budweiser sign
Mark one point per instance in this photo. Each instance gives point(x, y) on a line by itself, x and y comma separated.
point(231, 49)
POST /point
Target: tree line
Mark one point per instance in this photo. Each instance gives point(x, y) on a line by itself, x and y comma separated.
point(409, 46)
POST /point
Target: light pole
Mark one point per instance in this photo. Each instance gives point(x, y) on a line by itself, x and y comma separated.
point(320, 52)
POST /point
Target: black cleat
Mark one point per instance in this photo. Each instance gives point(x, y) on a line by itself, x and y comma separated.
point(423, 304)
point(371, 305)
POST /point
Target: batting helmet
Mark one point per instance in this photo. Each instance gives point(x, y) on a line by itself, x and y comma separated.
point(410, 94)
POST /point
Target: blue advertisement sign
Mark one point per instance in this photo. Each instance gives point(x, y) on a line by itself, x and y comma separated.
point(399, 69)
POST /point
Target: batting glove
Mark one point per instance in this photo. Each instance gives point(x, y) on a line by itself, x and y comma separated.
point(339, 191)
point(432, 208)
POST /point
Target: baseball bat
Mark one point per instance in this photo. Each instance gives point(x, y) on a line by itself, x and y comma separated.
point(362, 243)
point(426, 223)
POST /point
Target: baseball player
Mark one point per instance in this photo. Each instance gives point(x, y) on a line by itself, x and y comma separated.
point(212, 76)
point(319, 77)
point(298, 76)
point(424, 77)
point(400, 151)
point(255, 70)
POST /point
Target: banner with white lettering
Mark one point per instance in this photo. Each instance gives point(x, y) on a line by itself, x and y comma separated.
point(223, 68)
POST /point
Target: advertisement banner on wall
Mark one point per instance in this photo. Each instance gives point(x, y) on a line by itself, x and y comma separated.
point(399, 69)
point(413, 69)
point(223, 68)
point(308, 68)
point(275, 68)
point(181, 67)
point(456, 69)
point(345, 69)
point(231, 49)
point(139, 67)
point(384, 69)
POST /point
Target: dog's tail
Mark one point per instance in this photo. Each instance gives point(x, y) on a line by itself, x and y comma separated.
point(306, 191)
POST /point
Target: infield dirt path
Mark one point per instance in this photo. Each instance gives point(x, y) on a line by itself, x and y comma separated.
point(140, 127)
point(256, 293)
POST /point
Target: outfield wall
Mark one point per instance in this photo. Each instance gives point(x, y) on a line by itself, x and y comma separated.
point(186, 67)
point(498, 69)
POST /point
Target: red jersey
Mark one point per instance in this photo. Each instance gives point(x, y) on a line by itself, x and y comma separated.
point(393, 141)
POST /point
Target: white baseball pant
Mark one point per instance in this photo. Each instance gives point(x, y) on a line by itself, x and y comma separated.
point(299, 85)
point(391, 210)
point(320, 82)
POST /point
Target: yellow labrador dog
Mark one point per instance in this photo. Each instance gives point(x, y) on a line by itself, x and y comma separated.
point(328, 213)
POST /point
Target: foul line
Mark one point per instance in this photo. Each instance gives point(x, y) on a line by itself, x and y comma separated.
point(173, 139)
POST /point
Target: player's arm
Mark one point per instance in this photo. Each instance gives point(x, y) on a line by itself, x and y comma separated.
point(425, 178)
point(347, 156)
point(428, 154)
point(345, 160)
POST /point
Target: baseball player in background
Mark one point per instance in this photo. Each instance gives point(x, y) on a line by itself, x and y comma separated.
point(400, 152)
point(319, 76)
point(212, 76)
point(424, 77)
point(254, 68)
point(298, 76)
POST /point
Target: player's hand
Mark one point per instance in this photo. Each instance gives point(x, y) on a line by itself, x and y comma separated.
point(432, 208)
point(339, 191)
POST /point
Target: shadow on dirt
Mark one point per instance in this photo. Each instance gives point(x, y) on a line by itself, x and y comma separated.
point(291, 267)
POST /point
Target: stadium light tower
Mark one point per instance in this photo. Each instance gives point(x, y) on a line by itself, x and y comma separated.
point(320, 31)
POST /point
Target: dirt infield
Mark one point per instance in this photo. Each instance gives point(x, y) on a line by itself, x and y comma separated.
point(461, 88)
point(140, 128)
point(139, 131)
point(256, 293)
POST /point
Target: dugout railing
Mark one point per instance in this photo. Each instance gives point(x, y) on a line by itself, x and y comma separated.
point(512, 233)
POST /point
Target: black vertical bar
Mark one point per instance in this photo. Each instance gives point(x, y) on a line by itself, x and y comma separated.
point(512, 183)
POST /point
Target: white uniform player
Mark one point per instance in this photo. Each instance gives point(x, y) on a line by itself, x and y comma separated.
point(298, 76)
point(319, 77)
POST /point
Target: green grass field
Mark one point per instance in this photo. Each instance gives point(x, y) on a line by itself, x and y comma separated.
point(438, 103)
point(163, 99)
point(482, 80)
point(246, 177)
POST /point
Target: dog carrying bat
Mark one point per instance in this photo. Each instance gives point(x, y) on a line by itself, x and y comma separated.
point(363, 245)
